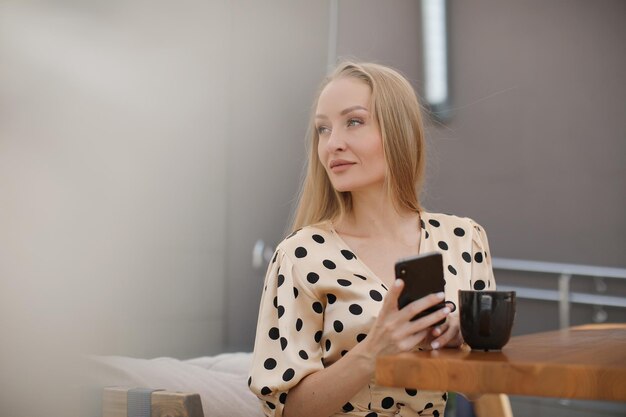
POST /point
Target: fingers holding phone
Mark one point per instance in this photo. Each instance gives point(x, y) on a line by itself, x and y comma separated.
point(394, 330)
point(413, 307)
point(423, 276)
point(447, 334)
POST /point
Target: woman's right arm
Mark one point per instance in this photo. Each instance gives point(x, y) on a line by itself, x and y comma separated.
point(288, 373)
point(319, 394)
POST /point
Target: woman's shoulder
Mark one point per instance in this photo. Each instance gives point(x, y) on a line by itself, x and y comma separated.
point(306, 237)
point(448, 221)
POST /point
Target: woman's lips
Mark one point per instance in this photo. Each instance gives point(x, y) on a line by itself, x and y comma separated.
point(340, 166)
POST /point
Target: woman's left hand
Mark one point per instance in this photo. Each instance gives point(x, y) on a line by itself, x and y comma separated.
point(447, 334)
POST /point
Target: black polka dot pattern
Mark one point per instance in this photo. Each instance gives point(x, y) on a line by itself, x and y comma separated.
point(312, 277)
point(355, 309)
point(375, 295)
point(347, 254)
point(338, 326)
point(270, 363)
point(347, 407)
point(334, 302)
point(479, 284)
point(289, 374)
point(319, 239)
point(273, 333)
point(318, 308)
point(387, 403)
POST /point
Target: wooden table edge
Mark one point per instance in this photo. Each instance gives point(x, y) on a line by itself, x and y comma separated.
point(545, 380)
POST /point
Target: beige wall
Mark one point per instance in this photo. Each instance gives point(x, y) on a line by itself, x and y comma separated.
point(113, 130)
point(281, 58)
point(144, 147)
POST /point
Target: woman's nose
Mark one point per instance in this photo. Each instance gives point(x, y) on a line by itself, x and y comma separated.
point(336, 141)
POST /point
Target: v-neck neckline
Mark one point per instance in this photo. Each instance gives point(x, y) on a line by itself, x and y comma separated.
point(422, 231)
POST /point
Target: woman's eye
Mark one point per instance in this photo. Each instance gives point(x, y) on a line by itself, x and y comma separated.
point(355, 122)
point(321, 130)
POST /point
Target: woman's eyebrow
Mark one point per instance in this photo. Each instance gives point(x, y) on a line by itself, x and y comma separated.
point(343, 112)
point(353, 108)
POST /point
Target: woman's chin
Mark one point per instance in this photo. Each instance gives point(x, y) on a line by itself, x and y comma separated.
point(342, 187)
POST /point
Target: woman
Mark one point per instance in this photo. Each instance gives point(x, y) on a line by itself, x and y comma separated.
point(330, 301)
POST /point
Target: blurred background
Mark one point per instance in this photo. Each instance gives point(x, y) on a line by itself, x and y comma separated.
point(148, 147)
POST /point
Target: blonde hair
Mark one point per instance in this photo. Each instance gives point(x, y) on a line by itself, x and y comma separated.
point(398, 113)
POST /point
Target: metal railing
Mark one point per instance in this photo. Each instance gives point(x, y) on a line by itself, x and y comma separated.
point(563, 295)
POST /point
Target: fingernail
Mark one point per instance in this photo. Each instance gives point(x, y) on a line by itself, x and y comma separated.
point(446, 310)
point(437, 331)
point(397, 283)
point(434, 345)
point(441, 295)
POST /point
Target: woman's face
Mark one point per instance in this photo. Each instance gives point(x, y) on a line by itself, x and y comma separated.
point(350, 144)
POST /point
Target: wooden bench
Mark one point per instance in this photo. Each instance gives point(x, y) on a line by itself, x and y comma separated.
point(164, 403)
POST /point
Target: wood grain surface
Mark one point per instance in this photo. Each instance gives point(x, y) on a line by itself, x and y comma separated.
point(585, 362)
point(164, 403)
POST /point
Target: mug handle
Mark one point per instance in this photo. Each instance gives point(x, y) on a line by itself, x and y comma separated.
point(484, 319)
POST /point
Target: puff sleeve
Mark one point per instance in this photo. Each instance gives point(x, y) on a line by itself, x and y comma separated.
point(289, 329)
point(482, 271)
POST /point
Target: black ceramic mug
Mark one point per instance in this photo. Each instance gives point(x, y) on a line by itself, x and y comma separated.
point(486, 318)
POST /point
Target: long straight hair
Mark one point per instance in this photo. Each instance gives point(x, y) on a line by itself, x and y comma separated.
point(398, 113)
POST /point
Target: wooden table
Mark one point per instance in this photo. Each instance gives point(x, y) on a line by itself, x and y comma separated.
point(585, 362)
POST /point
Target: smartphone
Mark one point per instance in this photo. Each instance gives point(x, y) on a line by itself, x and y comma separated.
point(422, 275)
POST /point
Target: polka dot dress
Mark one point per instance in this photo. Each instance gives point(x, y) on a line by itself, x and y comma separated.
point(320, 300)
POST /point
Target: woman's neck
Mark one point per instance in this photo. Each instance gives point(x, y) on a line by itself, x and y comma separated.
point(374, 215)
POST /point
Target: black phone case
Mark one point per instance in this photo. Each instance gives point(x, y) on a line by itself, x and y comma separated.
point(422, 275)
